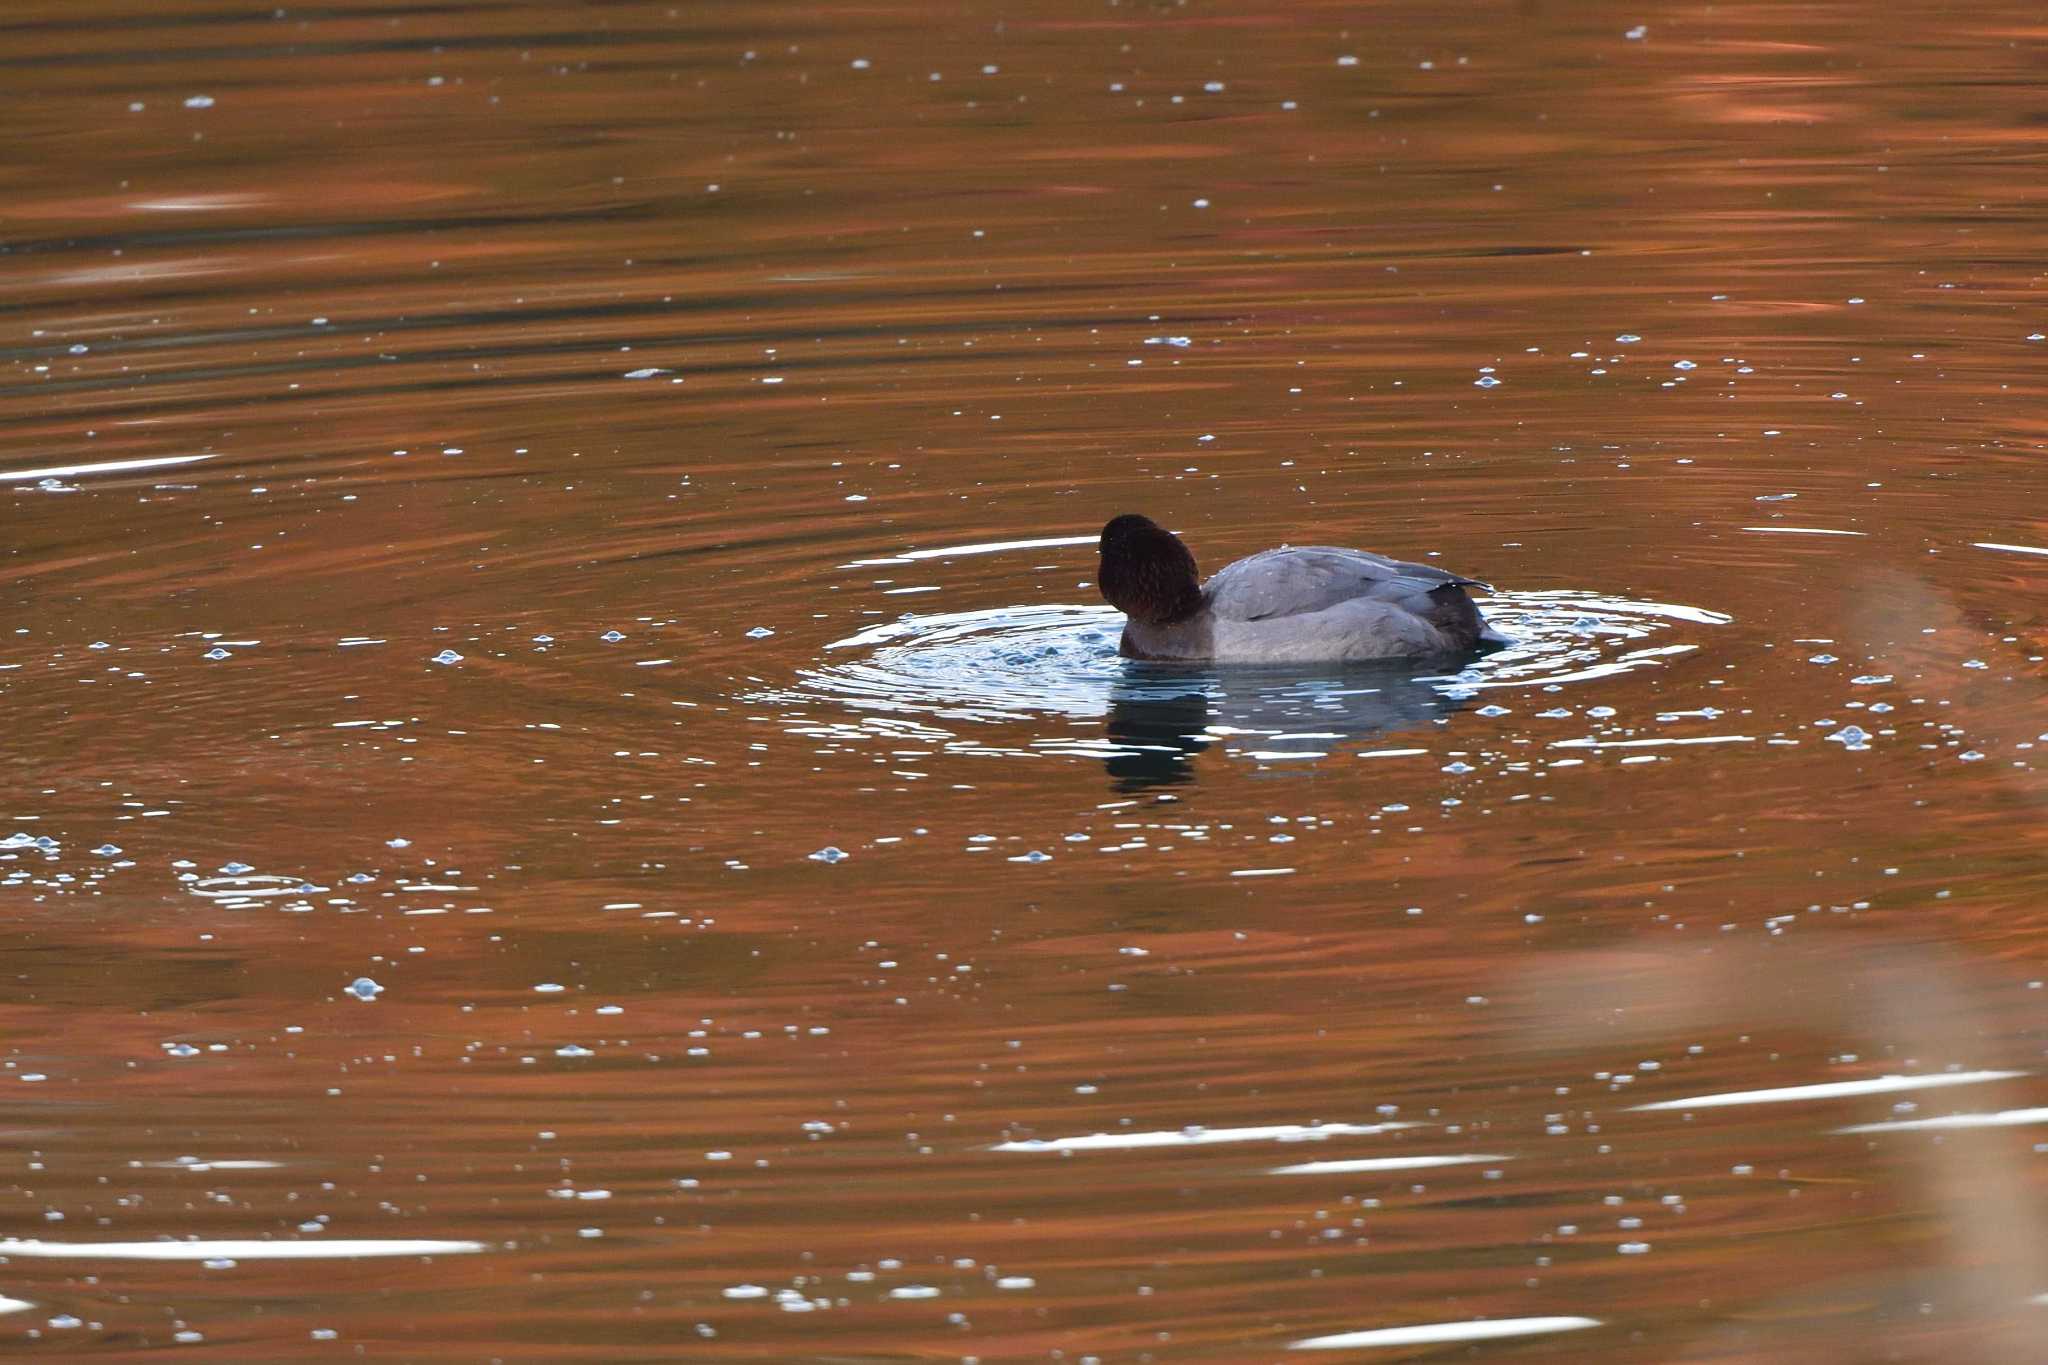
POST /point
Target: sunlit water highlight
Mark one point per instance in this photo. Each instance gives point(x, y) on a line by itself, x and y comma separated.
point(68, 471)
point(341, 1248)
point(1438, 1333)
point(1198, 1137)
point(2003, 1118)
point(1828, 1090)
point(1365, 1165)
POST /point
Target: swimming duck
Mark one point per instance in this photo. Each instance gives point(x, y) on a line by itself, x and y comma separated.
point(1296, 604)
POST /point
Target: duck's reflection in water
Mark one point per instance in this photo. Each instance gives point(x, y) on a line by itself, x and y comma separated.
point(1161, 716)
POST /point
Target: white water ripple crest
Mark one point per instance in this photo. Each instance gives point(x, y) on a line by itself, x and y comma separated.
point(926, 675)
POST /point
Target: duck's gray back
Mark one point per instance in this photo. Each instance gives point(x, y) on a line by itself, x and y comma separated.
point(1294, 580)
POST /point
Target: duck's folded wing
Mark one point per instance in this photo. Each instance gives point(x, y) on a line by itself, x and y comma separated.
point(1310, 578)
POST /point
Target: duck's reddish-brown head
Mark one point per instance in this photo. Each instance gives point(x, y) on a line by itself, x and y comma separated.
point(1146, 573)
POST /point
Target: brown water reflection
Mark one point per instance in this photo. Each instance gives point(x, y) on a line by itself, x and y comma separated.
point(725, 396)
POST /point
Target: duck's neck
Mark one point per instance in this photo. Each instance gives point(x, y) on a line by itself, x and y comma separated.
point(1190, 635)
point(1192, 603)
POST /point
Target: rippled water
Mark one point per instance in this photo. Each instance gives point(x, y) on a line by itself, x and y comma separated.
point(1014, 667)
point(570, 794)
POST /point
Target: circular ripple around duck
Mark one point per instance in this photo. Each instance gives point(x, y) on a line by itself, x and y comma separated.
point(1018, 663)
point(1567, 636)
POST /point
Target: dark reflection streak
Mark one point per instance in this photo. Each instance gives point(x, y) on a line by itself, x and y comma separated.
point(1523, 251)
point(1475, 254)
point(355, 328)
point(480, 353)
point(700, 551)
point(356, 362)
point(529, 317)
point(133, 241)
point(148, 16)
point(434, 44)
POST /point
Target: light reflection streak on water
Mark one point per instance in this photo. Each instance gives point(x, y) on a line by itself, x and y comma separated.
point(958, 551)
point(1200, 1137)
point(2004, 1118)
point(1437, 1333)
point(1828, 1090)
point(1652, 743)
point(235, 1250)
point(1386, 1163)
point(67, 471)
point(251, 885)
